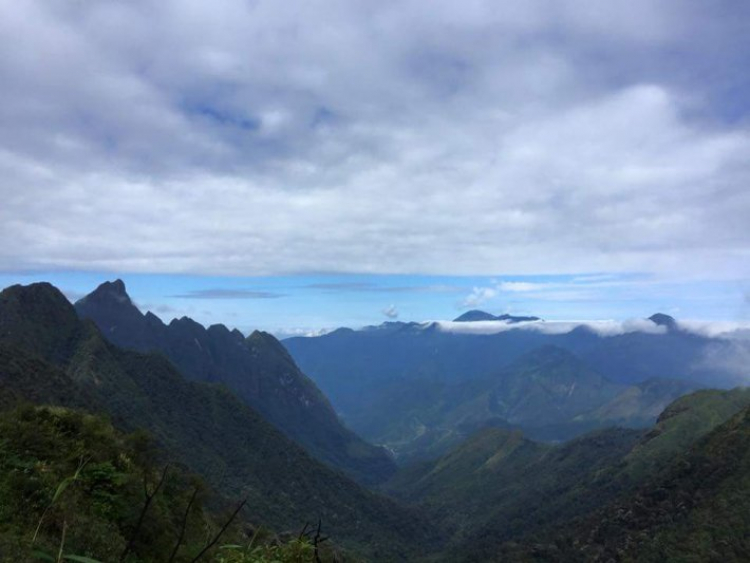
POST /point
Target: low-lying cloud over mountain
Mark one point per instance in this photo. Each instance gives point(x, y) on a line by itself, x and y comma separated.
point(601, 327)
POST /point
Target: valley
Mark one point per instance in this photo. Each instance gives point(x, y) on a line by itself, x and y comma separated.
point(516, 459)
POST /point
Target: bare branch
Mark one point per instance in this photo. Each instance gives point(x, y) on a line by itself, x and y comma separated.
point(184, 525)
point(316, 542)
point(223, 529)
point(149, 498)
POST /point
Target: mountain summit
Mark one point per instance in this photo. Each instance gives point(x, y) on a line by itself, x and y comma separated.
point(476, 315)
point(663, 320)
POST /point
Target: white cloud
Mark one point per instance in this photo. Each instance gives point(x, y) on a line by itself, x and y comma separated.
point(738, 332)
point(478, 138)
point(391, 312)
point(602, 328)
point(730, 357)
point(735, 330)
point(478, 296)
point(521, 287)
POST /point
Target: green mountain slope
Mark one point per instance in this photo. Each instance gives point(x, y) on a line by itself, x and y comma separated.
point(64, 470)
point(203, 426)
point(257, 369)
point(697, 508)
point(502, 494)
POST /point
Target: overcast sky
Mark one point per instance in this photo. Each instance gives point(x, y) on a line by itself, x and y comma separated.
point(537, 142)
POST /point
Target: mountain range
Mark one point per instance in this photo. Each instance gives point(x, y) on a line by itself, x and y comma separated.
point(257, 369)
point(419, 389)
point(48, 355)
point(496, 486)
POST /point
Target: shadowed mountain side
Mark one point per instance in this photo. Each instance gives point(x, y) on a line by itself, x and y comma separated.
point(694, 508)
point(258, 369)
point(548, 393)
point(203, 426)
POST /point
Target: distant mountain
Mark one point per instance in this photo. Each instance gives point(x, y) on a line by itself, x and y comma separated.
point(549, 393)
point(49, 356)
point(664, 320)
point(508, 498)
point(475, 315)
point(419, 373)
point(257, 368)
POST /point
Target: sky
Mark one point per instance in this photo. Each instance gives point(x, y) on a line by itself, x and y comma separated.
point(305, 165)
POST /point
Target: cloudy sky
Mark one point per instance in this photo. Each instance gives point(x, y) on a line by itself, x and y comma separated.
point(315, 163)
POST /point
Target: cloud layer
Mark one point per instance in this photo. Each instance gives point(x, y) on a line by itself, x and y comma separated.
point(736, 331)
point(392, 137)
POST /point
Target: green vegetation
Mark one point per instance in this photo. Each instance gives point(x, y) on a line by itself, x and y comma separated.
point(697, 508)
point(71, 484)
point(200, 426)
point(76, 487)
point(72, 488)
point(682, 423)
point(503, 494)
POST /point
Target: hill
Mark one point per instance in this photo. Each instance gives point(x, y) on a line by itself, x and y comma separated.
point(509, 498)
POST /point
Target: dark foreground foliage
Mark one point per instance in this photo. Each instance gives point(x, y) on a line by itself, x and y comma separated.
point(74, 489)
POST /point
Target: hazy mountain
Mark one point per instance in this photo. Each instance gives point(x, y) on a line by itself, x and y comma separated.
point(424, 375)
point(200, 425)
point(548, 392)
point(257, 368)
point(475, 315)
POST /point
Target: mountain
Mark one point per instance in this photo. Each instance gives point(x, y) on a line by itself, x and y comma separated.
point(664, 320)
point(678, 490)
point(431, 351)
point(199, 425)
point(258, 369)
point(694, 509)
point(401, 385)
point(508, 498)
point(62, 469)
point(549, 393)
point(475, 315)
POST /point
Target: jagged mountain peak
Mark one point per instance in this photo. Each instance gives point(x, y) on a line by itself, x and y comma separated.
point(186, 322)
point(268, 342)
point(109, 291)
point(258, 369)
